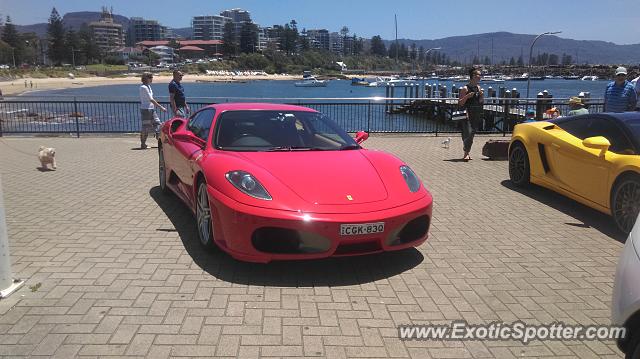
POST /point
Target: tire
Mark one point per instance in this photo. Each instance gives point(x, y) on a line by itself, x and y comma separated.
point(625, 202)
point(162, 171)
point(633, 348)
point(203, 218)
point(519, 170)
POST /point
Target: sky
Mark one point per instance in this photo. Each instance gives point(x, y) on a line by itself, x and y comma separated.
point(607, 20)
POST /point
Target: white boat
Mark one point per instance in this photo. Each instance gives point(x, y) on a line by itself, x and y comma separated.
point(311, 81)
point(589, 78)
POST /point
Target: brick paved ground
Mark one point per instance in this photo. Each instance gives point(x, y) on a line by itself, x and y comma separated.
point(122, 274)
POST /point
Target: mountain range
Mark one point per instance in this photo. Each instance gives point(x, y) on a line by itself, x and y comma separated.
point(498, 46)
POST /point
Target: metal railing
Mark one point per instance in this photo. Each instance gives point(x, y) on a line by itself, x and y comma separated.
point(374, 115)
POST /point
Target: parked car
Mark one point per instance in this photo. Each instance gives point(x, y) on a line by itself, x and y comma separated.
point(276, 182)
point(625, 304)
point(593, 159)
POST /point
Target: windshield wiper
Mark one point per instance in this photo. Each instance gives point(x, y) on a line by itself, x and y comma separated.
point(295, 148)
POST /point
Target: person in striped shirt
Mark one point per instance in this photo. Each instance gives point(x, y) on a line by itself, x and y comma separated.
point(620, 95)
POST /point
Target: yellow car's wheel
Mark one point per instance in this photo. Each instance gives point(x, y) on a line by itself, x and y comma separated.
point(625, 202)
point(519, 170)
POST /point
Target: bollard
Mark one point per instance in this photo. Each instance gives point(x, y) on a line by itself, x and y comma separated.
point(8, 285)
point(540, 103)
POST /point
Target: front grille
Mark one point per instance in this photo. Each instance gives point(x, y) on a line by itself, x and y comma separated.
point(278, 240)
point(412, 231)
point(359, 248)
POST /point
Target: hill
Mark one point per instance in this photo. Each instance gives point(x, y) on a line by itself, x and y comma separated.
point(507, 45)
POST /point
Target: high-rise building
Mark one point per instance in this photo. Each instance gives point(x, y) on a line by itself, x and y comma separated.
point(239, 17)
point(143, 30)
point(106, 33)
point(319, 39)
point(208, 27)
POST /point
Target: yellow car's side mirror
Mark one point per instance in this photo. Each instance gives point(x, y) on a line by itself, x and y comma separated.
point(598, 142)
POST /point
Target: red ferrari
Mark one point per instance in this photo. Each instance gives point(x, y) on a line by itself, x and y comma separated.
point(278, 182)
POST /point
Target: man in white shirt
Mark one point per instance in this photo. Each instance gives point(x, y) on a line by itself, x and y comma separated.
point(150, 120)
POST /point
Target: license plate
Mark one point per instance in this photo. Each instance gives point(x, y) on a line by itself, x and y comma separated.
point(361, 229)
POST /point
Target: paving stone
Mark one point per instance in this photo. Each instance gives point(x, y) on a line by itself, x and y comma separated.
point(122, 272)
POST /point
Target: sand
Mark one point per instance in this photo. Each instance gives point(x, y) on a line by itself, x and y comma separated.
point(17, 86)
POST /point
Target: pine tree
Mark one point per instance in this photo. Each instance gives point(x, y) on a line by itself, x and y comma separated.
point(56, 38)
point(11, 37)
point(229, 47)
point(88, 46)
point(377, 46)
point(248, 38)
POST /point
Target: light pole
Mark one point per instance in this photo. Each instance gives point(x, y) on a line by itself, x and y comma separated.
point(13, 56)
point(73, 56)
point(531, 55)
point(426, 52)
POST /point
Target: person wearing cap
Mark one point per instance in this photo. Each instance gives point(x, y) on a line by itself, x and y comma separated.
point(150, 120)
point(530, 116)
point(575, 103)
point(620, 96)
point(176, 94)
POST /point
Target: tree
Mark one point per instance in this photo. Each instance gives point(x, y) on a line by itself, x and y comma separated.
point(553, 59)
point(248, 38)
point(229, 46)
point(56, 37)
point(73, 48)
point(566, 59)
point(520, 61)
point(377, 46)
point(344, 32)
point(289, 38)
point(88, 46)
point(512, 61)
point(11, 37)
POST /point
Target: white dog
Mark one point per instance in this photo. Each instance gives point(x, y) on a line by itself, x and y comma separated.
point(47, 155)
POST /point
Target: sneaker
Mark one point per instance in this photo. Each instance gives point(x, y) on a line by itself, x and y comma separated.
point(143, 147)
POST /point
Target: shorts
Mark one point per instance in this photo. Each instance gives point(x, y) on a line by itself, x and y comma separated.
point(150, 121)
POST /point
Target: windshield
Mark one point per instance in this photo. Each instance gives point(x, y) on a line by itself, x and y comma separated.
point(634, 126)
point(262, 130)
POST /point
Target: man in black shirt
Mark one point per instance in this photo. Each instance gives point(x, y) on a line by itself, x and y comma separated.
point(472, 99)
point(176, 94)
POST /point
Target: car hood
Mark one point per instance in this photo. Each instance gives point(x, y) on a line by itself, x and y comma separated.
point(323, 177)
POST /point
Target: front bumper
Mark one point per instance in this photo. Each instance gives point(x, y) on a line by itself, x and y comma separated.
point(236, 228)
point(625, 301)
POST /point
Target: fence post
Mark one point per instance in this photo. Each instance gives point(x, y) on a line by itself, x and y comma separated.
point(75, 114)
point(369, 117)
point(8, 285)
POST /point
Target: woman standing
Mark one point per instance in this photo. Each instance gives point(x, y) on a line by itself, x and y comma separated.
point(150, 120)
point(472, 99)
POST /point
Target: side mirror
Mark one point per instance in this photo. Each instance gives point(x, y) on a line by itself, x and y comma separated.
point(361, 136)
point(598, 142)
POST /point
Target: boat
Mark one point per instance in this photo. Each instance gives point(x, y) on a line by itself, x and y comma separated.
point(589, 78)
point(571, 77)
point(311, 81)
point(359, 82)
point(525, 77)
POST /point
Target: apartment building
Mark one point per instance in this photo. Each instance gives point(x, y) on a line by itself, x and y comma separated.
point(145, 30)
point(209, 27)
point(107, 34)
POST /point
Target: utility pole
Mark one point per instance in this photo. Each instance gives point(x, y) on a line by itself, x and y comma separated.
point(396, 22)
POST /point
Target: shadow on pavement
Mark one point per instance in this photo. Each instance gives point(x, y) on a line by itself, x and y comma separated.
point(321, 272)
point(586, 216)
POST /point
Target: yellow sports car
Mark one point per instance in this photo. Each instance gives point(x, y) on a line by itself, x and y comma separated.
point(593, 159)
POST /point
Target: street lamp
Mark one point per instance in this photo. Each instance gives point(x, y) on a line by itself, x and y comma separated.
point(13, 56)
point(531, 55)
point(73, 56)
point(426, 52)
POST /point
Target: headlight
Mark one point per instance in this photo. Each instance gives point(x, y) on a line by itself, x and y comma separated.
point(248, 184)
point(412, 180)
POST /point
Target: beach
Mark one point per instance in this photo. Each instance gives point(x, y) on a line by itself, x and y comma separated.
point(17, 86)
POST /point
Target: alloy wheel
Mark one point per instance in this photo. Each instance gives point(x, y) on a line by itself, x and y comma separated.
point(203, 214)
point(626, 204)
